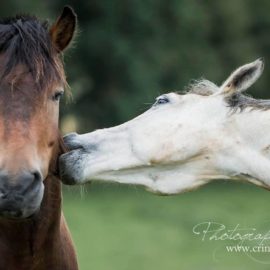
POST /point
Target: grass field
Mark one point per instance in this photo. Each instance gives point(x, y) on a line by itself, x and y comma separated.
point(118, 227)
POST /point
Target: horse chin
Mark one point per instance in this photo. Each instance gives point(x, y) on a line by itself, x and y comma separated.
point(30, 214)
point(18, 214)
point(68, 179)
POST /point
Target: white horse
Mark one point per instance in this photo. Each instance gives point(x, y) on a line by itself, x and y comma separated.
point(183, 141)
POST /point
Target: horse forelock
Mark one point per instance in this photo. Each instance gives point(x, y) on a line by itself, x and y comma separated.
point(25, 40)
point(201, 87)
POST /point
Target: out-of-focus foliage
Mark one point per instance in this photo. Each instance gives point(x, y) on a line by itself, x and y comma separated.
point(125, 54)
point(128, 51)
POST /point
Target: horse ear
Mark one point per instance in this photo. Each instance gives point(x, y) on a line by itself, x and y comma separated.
point(243, 77)
point(63, 29)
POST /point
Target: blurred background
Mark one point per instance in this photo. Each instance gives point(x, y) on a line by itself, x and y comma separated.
point(125, 54)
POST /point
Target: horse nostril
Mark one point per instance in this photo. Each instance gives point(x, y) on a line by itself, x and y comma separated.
point(3, 194)
point(37, 176)
point(31, 182)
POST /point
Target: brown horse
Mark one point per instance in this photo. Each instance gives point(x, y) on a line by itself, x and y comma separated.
point(33, 232)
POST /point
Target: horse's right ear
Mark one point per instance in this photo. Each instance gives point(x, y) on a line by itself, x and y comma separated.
point(62, 31)
point(243, 77)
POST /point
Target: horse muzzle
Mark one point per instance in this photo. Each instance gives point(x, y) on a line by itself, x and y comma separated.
point(20, 195)
point(70, 168)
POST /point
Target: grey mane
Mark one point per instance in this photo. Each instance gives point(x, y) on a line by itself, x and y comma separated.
point(236, 101)
point(241, 102)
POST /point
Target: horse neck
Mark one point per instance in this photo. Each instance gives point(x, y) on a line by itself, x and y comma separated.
point(250, 143)
point(27, 237)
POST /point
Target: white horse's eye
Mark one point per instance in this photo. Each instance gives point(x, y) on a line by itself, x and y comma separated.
point(162, 100)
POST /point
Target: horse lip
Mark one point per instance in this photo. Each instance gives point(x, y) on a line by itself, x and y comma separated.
point(18, 206)
point(66, 168)
point(11, 213)
point(20, 218)
point(18, 213)
point(67, 179)
point(10, 210)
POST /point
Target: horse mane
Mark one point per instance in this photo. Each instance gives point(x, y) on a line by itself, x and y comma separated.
point(240, 102)
point(59, 150)
point(236, 102)
point(26, 40)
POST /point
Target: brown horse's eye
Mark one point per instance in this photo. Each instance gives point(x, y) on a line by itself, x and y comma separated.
point(57, 95)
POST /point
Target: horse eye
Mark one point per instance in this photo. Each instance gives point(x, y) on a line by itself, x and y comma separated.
point(162, 100)
point(57, 95)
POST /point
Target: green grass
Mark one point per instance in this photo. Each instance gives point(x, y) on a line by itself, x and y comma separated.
point(118, 227)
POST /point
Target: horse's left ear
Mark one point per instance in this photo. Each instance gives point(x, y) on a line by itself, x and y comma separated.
point(243, 77)
point(63, 29)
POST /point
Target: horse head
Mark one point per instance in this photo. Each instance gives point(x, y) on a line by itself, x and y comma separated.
point(183, 141)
